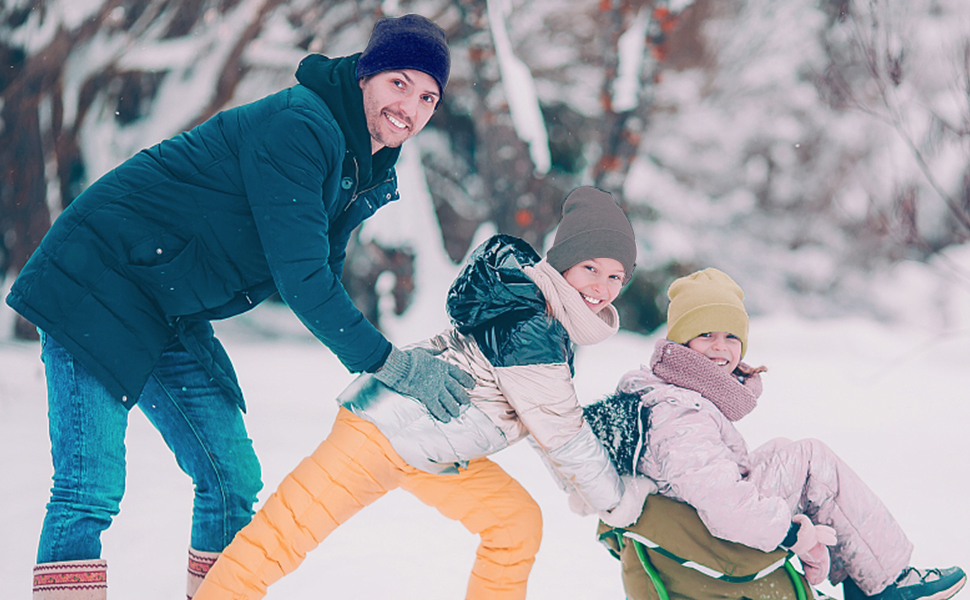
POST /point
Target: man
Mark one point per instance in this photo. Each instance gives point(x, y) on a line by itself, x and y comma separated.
point(258, 199)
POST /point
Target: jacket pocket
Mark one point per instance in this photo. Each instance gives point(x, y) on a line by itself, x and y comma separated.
point(184, 285)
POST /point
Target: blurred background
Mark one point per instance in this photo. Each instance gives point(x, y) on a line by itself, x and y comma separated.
point(814, 149)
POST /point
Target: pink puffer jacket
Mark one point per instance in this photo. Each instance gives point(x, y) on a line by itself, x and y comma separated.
point(696, 455)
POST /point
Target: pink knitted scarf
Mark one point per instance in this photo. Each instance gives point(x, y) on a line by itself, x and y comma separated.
point(679, 365)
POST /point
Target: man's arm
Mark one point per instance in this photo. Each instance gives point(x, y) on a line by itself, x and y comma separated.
point(284, 171)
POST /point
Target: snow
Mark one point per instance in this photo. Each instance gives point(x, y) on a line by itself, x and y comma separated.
point(520, 91)
point(891, 399)
point(626, 88)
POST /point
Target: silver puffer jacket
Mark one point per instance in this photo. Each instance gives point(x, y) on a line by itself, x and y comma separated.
point(521, 359)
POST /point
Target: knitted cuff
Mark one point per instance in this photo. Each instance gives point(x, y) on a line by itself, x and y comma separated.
point(792, 536)
point(395, 368)
point(380, 361)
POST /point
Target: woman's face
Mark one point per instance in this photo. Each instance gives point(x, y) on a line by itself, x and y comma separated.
point(598, 281)
point(721, 347)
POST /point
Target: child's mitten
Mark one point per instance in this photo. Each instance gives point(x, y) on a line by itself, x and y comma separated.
point(811, 547)
point(578, 504)
point(635, 492)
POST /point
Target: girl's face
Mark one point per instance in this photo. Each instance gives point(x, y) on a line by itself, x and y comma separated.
point(722, 348)
point(598, 281)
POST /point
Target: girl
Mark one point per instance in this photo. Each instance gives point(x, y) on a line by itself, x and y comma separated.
point(514, 318)
point(797, 495)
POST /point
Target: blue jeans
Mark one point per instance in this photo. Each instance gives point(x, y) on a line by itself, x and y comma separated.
point(199, 422)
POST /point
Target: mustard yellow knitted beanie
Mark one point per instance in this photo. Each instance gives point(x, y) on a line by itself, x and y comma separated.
point(704, 302)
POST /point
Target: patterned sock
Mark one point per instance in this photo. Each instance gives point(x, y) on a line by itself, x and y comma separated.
point(199, 564)
point(72, 579)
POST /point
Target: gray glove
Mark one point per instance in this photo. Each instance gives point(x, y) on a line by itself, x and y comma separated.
point(439, 385)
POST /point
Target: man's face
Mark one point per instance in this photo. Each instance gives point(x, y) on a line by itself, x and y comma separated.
point(398, 104)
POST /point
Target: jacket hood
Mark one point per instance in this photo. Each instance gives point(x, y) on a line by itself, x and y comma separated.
point(335, 80)
point(493, 284)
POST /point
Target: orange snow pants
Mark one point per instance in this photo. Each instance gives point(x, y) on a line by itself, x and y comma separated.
point(352, 468)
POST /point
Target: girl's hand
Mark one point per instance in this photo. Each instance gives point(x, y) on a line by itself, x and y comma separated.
point(635, 492)
point(811, 547)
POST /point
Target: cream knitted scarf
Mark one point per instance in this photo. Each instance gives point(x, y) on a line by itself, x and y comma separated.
point(568, 307)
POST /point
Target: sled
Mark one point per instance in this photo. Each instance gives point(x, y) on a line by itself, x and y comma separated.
point(668, 554)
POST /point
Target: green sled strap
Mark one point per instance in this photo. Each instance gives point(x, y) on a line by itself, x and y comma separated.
point(658, 584)
point(652, 572)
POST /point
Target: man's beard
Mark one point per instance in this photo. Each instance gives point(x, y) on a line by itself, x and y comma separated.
point(377, 131)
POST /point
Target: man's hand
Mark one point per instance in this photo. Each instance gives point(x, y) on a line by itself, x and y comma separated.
point(439, 385)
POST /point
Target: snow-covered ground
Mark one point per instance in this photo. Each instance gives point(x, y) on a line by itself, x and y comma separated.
point(893, 401)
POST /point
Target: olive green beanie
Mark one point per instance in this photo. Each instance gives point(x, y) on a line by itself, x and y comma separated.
point(705, 302)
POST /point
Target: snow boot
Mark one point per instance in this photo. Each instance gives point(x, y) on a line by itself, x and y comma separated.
point(199, 564)
point(71, 580)
point(914, 584)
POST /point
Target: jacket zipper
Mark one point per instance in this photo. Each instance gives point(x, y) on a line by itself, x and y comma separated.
point(357, 193)
point(353, 196)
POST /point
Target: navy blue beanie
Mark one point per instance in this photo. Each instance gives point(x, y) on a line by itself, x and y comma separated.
point(408, 42)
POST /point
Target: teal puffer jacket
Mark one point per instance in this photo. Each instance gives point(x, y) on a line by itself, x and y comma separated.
point(258, 199)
